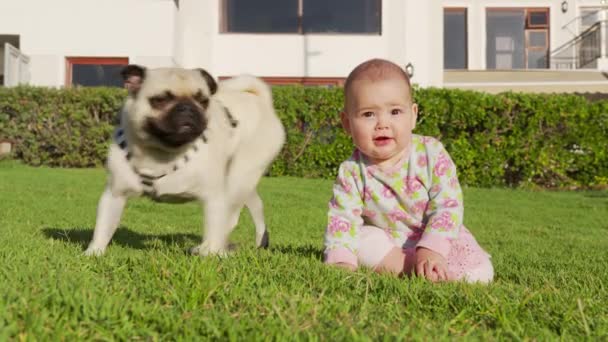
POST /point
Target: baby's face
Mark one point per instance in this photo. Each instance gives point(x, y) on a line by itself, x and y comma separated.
point(380, 117)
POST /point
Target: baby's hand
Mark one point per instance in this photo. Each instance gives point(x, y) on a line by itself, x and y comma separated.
point(346, 266)
point(431, 265)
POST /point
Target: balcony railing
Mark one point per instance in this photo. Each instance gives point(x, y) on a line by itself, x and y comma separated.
point(589, 46)
point(583, 51)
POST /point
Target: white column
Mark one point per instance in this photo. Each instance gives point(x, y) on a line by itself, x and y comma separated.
point(424, 41)
point(602, 62)
point(196, 26)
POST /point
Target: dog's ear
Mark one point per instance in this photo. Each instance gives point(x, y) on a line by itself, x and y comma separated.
point(133, 76)
point(209, 79)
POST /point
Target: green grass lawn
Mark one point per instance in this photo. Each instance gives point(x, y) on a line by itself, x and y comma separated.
point(550, 251)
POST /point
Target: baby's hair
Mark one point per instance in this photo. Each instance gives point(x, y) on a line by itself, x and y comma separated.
point(374, 70)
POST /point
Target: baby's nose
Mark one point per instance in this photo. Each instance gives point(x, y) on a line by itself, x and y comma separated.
point(383, 121)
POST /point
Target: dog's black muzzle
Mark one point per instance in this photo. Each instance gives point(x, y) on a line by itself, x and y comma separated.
point(181, 125)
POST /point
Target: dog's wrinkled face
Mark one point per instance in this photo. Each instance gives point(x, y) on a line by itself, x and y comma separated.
point(167, 108)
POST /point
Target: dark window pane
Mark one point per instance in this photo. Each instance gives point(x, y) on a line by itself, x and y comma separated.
point(279, 16)
point(454, 39)
point(537, 59)
point(537, 39)
point(343, 16)
point(538, 18)
point(92, 75)
point(505, 39)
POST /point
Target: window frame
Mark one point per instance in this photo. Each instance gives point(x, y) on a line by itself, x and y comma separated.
point(70, 61)
point(530, 48)
point(528, 27)
point(223, 29)
point(530, 10)
point(295, 80)
point(537, 47)
point(465, 10)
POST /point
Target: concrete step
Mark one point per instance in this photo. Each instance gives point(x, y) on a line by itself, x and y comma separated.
point(543, 81)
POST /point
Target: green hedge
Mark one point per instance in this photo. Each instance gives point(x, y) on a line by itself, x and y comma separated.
point(59, 127)
point(510, 139)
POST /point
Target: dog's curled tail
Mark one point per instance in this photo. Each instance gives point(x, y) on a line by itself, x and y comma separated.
point(249, 84)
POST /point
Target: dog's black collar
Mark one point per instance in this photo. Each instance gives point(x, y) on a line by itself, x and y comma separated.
point(148, 180)
point(233, 122)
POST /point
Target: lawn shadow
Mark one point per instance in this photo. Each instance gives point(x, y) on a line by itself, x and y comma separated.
point(597, 194)
point(135, 240)
point(123, 237)
point(301, 251)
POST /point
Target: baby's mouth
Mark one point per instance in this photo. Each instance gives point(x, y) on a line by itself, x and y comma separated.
point(383, 140)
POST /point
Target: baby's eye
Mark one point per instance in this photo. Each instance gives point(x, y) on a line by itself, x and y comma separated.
point(368, 114)
point(396, 111)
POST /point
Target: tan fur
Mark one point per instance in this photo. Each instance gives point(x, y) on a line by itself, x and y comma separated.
point(222, 173)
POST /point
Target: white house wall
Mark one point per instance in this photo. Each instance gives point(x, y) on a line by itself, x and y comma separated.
point(423, 39)
point(197, 24)
point(563, 26)
point(49, 31)
point(410, 33)
point(156, 33)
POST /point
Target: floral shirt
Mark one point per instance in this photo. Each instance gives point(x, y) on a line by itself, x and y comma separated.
point(418, 201)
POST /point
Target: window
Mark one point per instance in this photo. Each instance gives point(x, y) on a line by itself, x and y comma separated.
point(277, 16)
point(517, 38)
point(455, 38)
point(341, 16)
point(95, 72)
point(538, 18)
point(537, 42)
point(302, 16)
point(13, 40)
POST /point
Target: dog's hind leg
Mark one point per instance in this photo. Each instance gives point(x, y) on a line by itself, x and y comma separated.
point(244, 190)
point(233, 217)
point(256, 208)
point(109, 211)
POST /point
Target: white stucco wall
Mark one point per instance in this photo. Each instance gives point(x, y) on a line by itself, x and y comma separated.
point(142, 30)
point(424, 40)
point(409, 29)
point(563, 26)
point(155, 33)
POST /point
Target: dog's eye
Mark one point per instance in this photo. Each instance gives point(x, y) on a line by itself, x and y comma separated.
point(160, 101)
point(202, 100)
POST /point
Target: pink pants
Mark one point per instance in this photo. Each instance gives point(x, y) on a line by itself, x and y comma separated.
point(466, 261)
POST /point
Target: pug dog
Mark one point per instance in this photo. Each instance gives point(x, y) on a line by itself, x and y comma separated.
point(182, 136)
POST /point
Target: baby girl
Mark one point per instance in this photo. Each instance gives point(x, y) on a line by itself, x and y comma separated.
point(397, 204)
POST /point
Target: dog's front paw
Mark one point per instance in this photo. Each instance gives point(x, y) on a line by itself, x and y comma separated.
point(93, 251)
point(206, 249)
